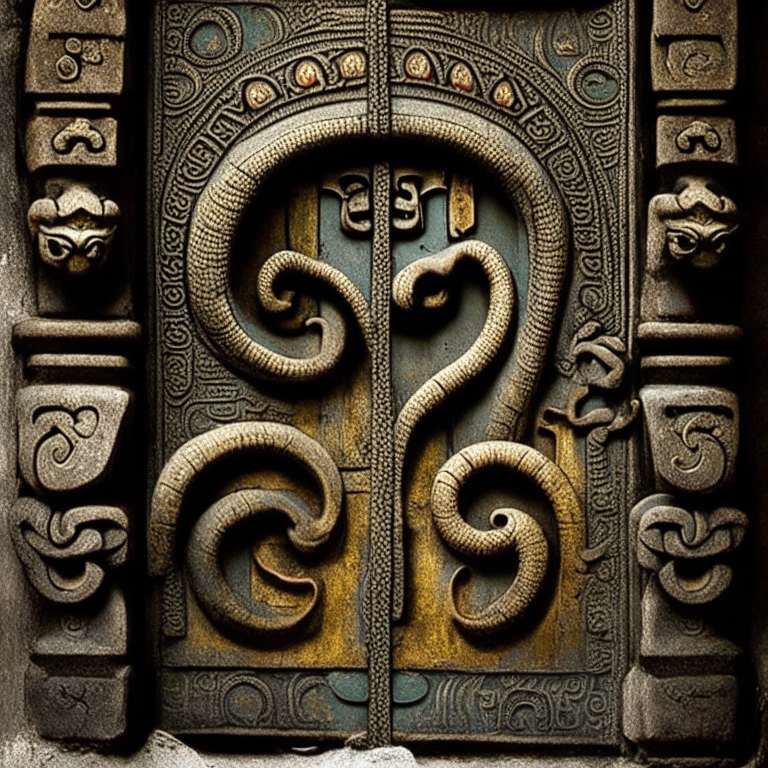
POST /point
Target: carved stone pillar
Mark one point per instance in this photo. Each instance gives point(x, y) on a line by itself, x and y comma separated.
point(73, 525)
point(682, 697)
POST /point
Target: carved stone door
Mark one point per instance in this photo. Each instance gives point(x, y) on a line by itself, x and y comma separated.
point(442, 427)
point(391, 287)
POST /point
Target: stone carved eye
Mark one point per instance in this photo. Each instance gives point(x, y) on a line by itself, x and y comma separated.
point(719, 241)
point(94, 249)
point(54, 249)
point(682, 243)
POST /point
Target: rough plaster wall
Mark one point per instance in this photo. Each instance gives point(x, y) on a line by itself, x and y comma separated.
point(16, 301)
point(163, 751)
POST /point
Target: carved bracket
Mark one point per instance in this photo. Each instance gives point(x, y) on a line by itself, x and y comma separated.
point(68, 434)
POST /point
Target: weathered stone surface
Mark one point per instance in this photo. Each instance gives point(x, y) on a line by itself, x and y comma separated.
point(73, 227)
point(68, 434)
point(68, 141)
point(690, 233)
point(77, 707)
point(694, 436)
point(74, 49)
point(687, 548)
point(51, 334)
point(99, 628)
point(164, 751)
point(66, 554)
point(689, 713)
point(694, 45)
point(676, 640)
point(686, 138)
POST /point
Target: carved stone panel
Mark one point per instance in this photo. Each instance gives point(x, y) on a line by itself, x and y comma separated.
point(694, 434)
point(393, 345)
point(68, 434)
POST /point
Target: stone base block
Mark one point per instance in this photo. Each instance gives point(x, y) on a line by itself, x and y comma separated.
point(81, 708)
point(689, 714)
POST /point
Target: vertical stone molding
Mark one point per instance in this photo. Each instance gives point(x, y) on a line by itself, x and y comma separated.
point(681, 698)
point(74, 522)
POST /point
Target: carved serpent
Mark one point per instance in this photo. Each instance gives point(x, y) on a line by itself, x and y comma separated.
point(517, 532)
point(206, 451)
point(291, 262)
point(538, 203)
point(203, 559)
point(242, 174)
point(216, 217)
point(471, 364)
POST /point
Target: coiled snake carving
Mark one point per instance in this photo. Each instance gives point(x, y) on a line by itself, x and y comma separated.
point(307, 531)
point(516, 532)
point(454, 377)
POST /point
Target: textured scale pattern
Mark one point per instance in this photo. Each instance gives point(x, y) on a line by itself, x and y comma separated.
point(520, 533)
point(207, 451)
point(379, 595)
point(203, 559)
point(471, 364)
point(290, 262)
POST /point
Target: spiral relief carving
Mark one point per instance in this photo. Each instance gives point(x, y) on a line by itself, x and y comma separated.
point(694, 434)
point(203, 559)
point(291, 262)
point(686, 548)
point(241, 177)
point(68, 434)
point(306, 531)
point(516, 532)
point(215, 220)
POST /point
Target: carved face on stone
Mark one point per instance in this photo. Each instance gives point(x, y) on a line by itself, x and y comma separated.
point(698, 225)
point(700, 239)
point(74, 230)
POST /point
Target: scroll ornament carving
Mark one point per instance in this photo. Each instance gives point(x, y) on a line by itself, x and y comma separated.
point(683, 546)
point(66, 554)
point(68, 434)
point(688, 231)
point(429, 397)
point(80, 130)
point(694, 435)
point(307, 531)
point(514, 530)
point(73, 227)
point(596, 362)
